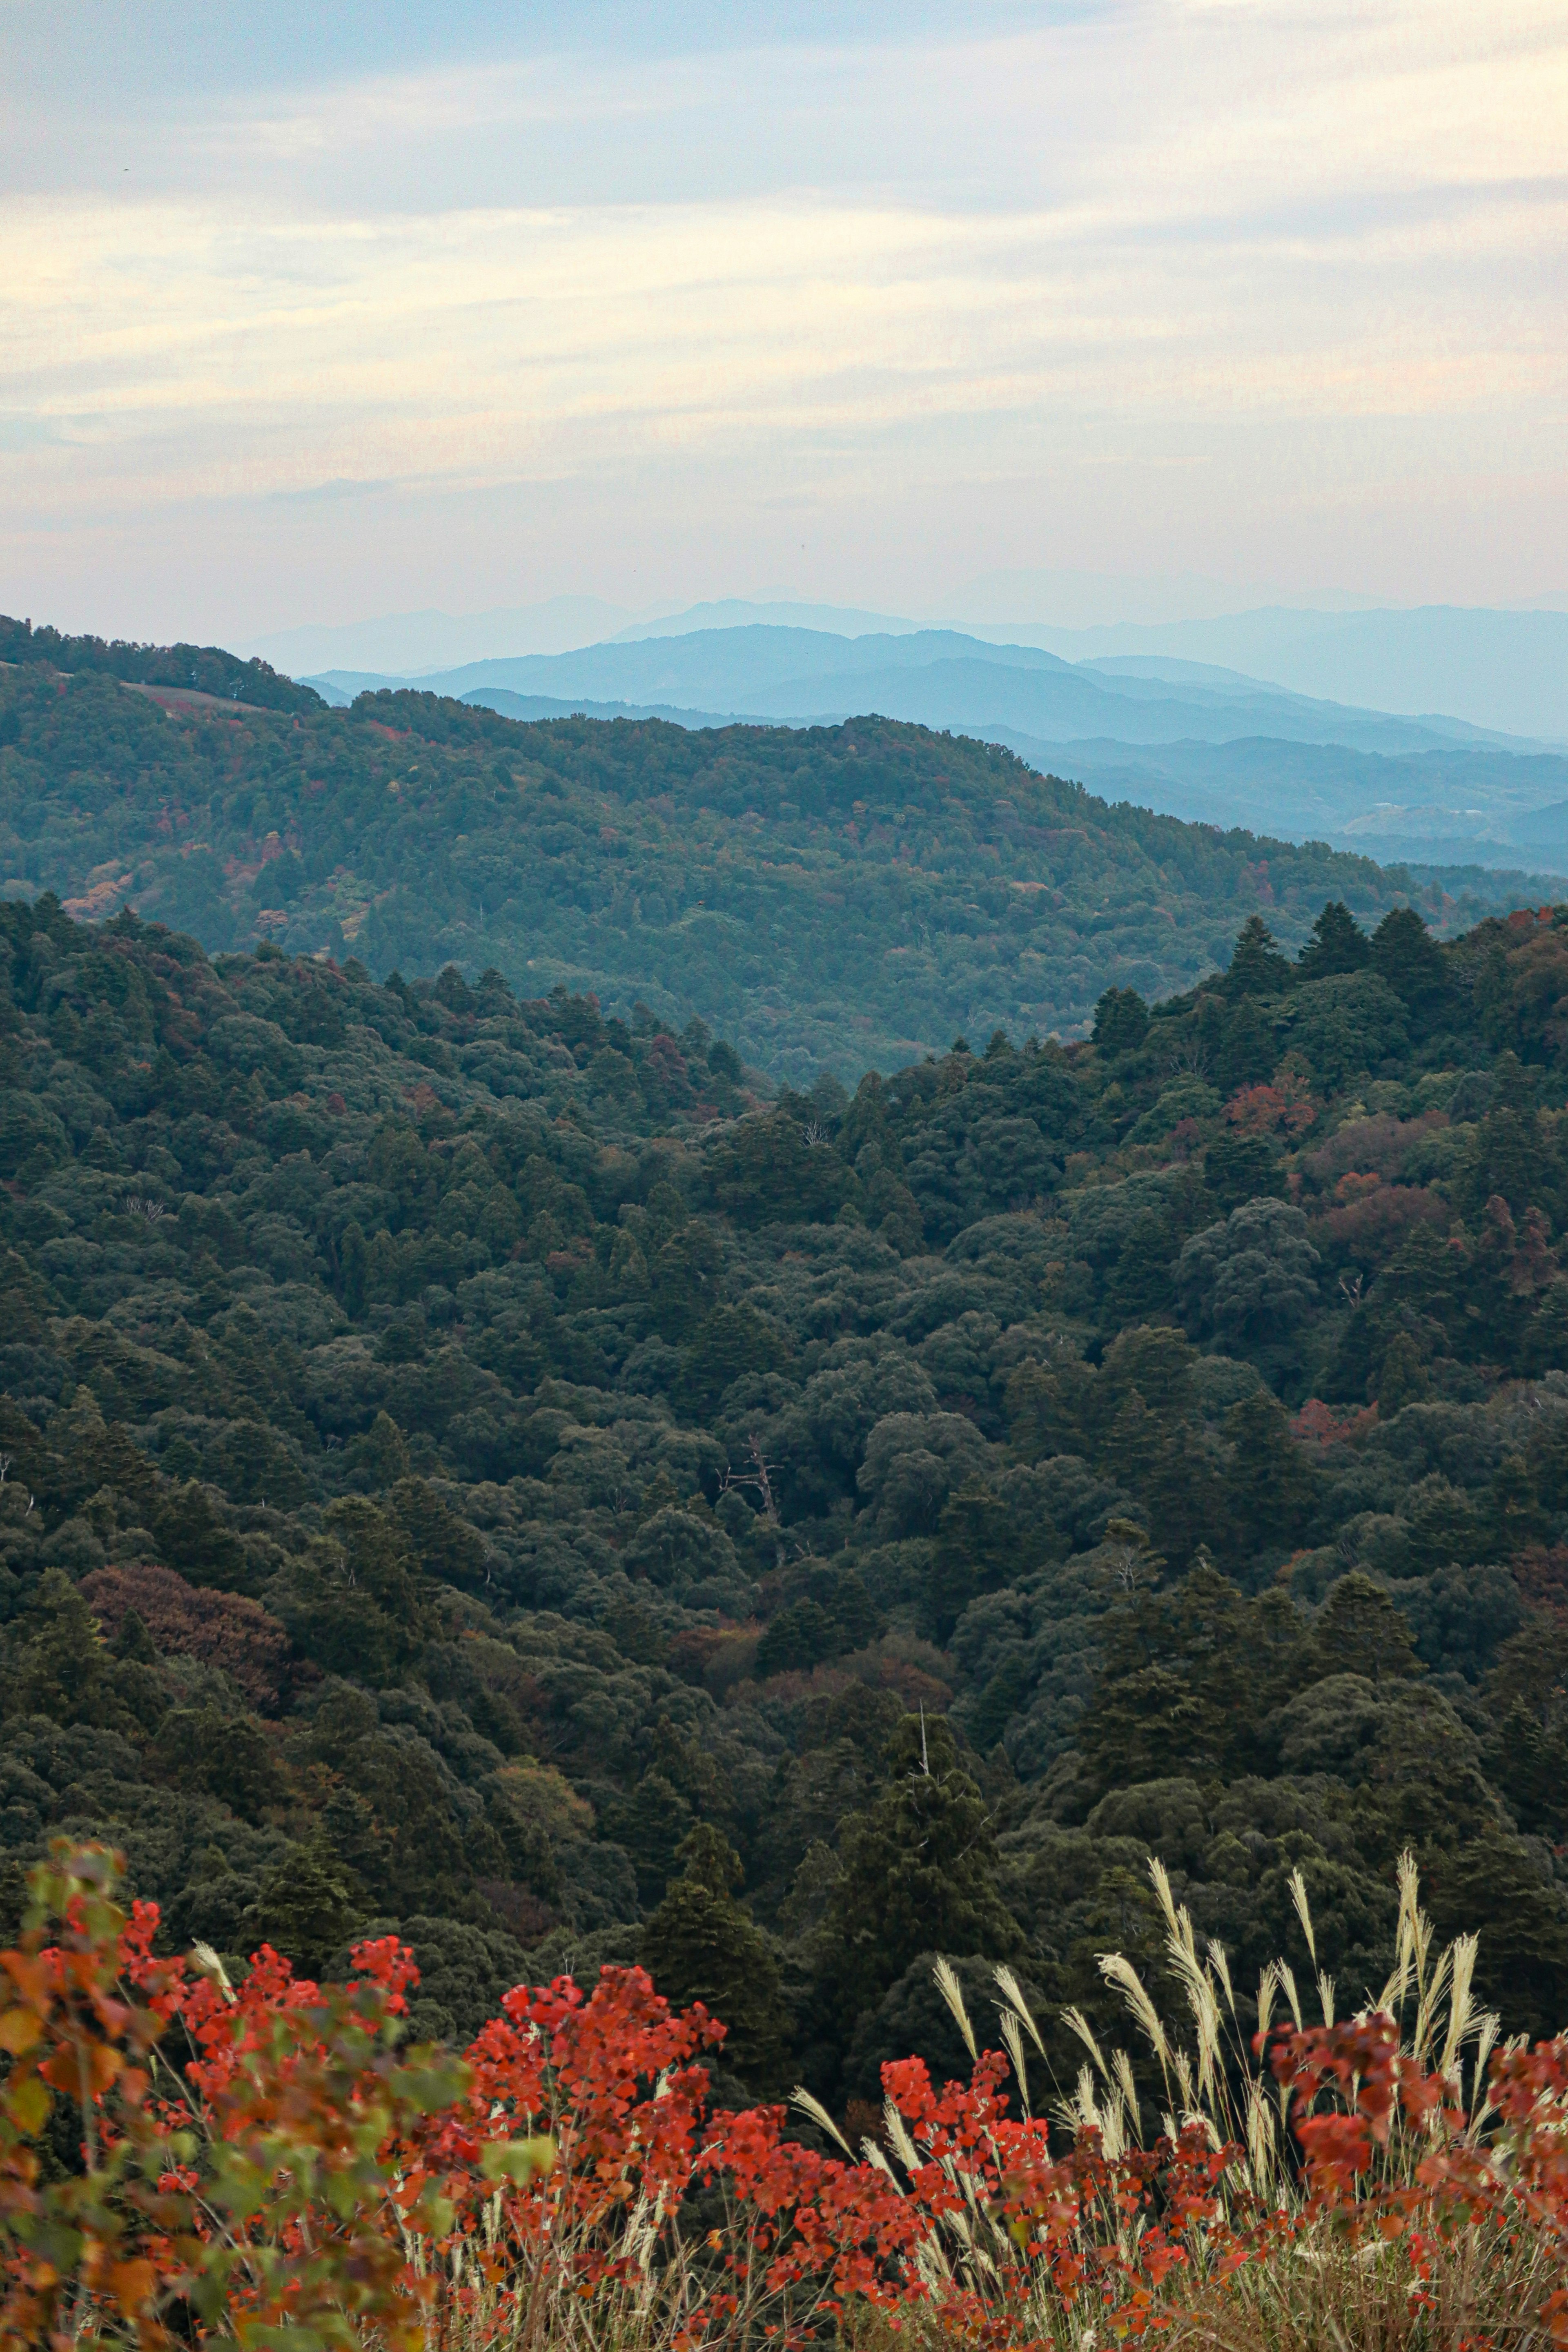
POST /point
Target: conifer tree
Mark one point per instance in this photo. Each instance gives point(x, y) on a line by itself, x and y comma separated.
point(700, 1945)
point(308, 1908)
point(1338, 944)
point(919, 1873)
point(1257, 968)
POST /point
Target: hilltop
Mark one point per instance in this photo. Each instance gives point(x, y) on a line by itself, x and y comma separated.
point(835, 898)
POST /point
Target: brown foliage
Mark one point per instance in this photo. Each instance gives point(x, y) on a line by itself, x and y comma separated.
point(183, 1621)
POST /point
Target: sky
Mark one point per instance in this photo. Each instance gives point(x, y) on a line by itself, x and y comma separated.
point(310, 314)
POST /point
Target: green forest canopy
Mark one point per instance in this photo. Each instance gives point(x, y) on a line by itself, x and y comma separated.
point(843, 898)
point(472, 1467)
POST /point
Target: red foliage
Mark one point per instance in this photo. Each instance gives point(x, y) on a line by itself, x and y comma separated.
point(264, 2161)
point(1264, 1110)
point(1316, 1425)
point(1380, 1142)
point(186, 1622)
point(1372, 1218)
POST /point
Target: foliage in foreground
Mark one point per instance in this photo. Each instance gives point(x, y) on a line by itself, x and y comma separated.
point(182, 2161)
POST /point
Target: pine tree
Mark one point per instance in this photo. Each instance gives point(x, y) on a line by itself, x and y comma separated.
point(1121, 1021)
point(1405, 955)
point(1250, 1046)
point(1338, 944)
point(308, 1908)
point(700, 1944)
point(919, 1875)
point(1257, 968)
point(1360, 1632)
point(59, 1669)
point(1266, 1487)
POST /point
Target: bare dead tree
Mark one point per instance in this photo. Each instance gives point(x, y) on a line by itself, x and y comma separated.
point(764, 1484)
point(1187, 1057)
point(757, 1480)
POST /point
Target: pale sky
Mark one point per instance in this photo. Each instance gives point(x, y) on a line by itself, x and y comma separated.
point(308, 314)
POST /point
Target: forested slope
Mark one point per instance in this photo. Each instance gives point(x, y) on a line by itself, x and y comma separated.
point(838, 897)
point(472, 1465)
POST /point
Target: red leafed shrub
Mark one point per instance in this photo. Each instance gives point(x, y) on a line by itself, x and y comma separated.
point(266, 2166)
point(186, 1622)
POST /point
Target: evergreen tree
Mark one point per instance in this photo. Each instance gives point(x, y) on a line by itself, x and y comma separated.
point(1250, 1046)
point(1141, 1283)
point(1266, 1483)
point(919, 1875)
point(700, 1944)
point(1338, 944)
point(58, 1667)
point(308, 1907)
point(1407, 956)
point(1239, 1168)
point(1121, 1021)
point(1257, 968)
point(1494, 1886)
point(1360, 1631)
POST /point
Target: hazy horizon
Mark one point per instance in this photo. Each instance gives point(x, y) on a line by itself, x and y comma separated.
point(1173, 308)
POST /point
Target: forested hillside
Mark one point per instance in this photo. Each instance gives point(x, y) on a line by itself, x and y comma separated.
point(470, 1465)
point(841, 899)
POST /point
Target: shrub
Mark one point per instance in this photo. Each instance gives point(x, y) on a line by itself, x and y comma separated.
point(265, 2164)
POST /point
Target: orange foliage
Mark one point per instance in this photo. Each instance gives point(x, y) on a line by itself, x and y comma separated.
point(266, 2165)
point(1264, 1111)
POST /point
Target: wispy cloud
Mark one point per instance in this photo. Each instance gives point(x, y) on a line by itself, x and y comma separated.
point(1109, 243)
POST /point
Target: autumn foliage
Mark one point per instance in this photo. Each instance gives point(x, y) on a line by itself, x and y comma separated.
point(184, 2161)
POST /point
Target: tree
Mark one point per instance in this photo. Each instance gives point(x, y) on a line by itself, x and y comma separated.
point(1496, 1886)
point(1121, 1021)
point(1266, 1486)
point(1249, 1046)
point(446, 1546)
point(678, 1549)
point(1140, 1284)
point(359, 1610)
point(59, 1667)
point(309, 1908)
point(1338, 944)
point(919, 1873)
point(1360, 1632)
point(1257, 968)
point(1405, 955)
point(1238, 1168)
point(229, 1757)
point(1345, 1025)
point(1254, 1277)
point(700, 1944)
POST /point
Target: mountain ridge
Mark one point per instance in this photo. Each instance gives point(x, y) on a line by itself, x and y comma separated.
point(834, 898)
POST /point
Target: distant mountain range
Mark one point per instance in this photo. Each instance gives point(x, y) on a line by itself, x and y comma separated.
point(1198, 739)
point(1500, 670)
